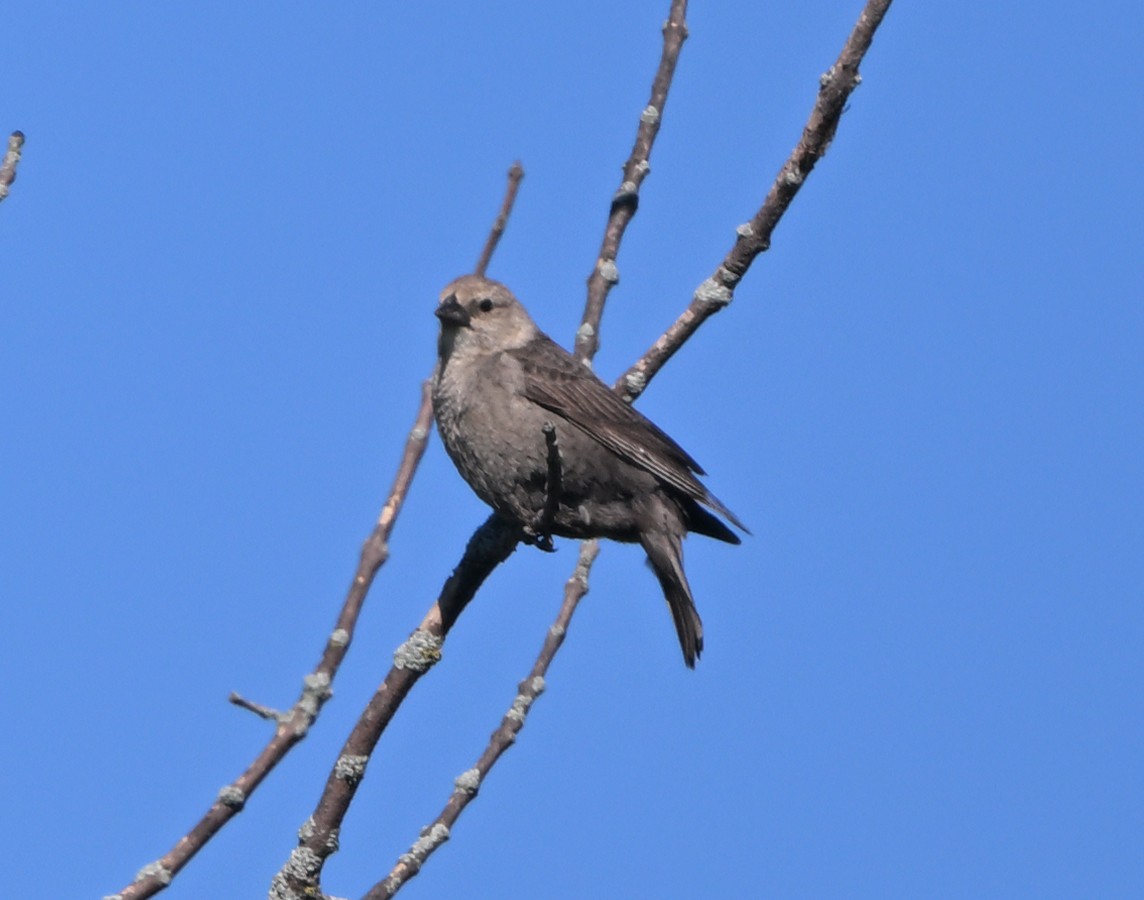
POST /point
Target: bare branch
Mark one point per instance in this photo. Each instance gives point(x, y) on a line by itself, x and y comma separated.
point(496, 539)
point(11, 159)
point(489, 546)
point(293, 724)
point(626, 199)
point(604, 275)
point(468, 783)
point(754, 237)
point(816, 136)
point(515, 174)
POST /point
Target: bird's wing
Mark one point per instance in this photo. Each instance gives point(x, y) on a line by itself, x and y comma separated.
point(558, 382)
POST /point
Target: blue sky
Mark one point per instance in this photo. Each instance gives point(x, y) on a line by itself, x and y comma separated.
point(218, 269)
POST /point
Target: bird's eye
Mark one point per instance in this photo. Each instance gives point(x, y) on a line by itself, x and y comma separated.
point(485, 304)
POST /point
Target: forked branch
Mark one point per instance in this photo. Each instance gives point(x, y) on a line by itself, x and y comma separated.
point(293, 724)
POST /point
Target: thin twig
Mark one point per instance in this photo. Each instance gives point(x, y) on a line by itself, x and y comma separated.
point(263, 712)
point(469, 782)
point(754, 237)
point(625, 201)
point(11, 160)
point(295, 722)
point(515, 174)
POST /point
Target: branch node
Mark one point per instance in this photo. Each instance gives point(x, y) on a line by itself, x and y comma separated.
point(232, 796)
point(339, 637)
point(794, 176)
point(626, 191)
point(317, 685)
point(634, 383)
point(519, 708)
point(303, 868)
point(714, 293)
point(157, 871)
point(650, 115)
point(350, 768)
point(432, 837)
point(315, 691)
point(588, 552)
point(626, 196)
point(419, 652)
point(608, 271)
point(469, 781)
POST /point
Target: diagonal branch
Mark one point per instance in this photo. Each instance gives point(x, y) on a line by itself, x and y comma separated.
point(837, 85)
point(754, 237)
point(604, 275)
point(469, 782)
point(626, 199)
point(496, 539)
point(489, 546)
point(515, 174)
point(293, 724)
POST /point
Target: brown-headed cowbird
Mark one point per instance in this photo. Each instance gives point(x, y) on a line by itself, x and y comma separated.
point(501, 380)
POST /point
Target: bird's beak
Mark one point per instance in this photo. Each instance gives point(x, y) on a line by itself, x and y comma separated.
point(450, 312)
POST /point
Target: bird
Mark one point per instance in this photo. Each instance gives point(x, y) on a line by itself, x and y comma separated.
point(501, 383)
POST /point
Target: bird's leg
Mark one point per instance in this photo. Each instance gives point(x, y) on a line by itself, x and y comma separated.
point(539, 531)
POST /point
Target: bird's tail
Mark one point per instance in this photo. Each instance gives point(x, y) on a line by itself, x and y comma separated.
point(665, 553)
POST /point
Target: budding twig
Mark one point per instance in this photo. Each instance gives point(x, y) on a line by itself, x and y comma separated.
point(754, 237)
point(626, 199)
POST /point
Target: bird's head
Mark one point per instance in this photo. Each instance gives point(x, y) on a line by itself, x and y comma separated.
point(480, 314)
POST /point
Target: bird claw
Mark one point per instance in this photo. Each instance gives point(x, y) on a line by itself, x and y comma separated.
point(539, 539)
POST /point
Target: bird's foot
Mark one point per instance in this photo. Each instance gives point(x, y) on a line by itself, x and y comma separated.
point(539, 538)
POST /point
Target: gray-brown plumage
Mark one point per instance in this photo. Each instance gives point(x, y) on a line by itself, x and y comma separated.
point(500, 380)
